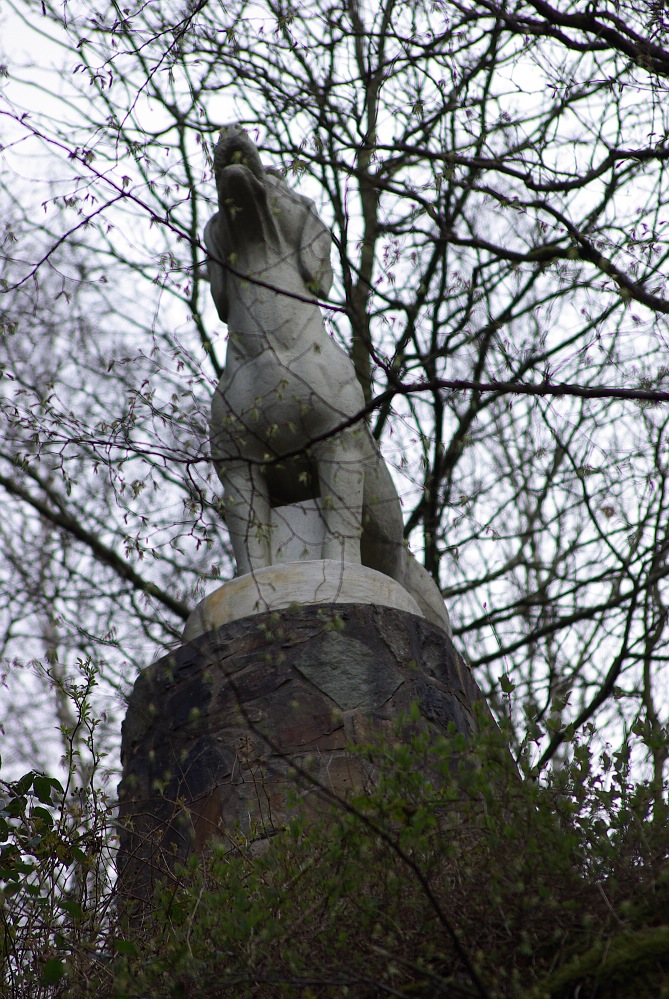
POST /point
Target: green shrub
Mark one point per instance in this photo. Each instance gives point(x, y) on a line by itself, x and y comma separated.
point(454, 877)
point(56, 889)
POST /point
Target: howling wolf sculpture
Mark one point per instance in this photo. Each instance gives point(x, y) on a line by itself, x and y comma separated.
point(283, 422)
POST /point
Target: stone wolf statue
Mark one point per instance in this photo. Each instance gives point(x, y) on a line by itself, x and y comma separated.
point(283, 421)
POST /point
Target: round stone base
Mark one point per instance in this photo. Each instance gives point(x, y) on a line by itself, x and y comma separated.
point(321, 582)
point(231, 731)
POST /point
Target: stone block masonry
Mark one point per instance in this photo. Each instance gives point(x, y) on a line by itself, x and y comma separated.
point(230, 731)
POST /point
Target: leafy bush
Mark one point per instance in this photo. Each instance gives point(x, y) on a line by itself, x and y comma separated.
point(454, 877)
point(56, 889)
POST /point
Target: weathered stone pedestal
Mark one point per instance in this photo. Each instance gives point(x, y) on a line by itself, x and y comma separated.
point(228, 732)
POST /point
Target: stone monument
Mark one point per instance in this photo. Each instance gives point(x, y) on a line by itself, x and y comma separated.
point(302, 477)
point(331, 629)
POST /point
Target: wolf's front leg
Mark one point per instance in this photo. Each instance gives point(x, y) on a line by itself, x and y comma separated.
point(247, 514)
point(341, 475)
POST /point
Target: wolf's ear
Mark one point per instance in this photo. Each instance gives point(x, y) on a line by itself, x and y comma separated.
point(314, 253)
point(215, 265)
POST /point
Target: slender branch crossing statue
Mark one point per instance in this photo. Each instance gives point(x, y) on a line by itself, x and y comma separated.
point(284, 433)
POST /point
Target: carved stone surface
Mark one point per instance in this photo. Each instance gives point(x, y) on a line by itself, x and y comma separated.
point(297, 532)
point(323, 582)
point(219, 733)
point(283, 425)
